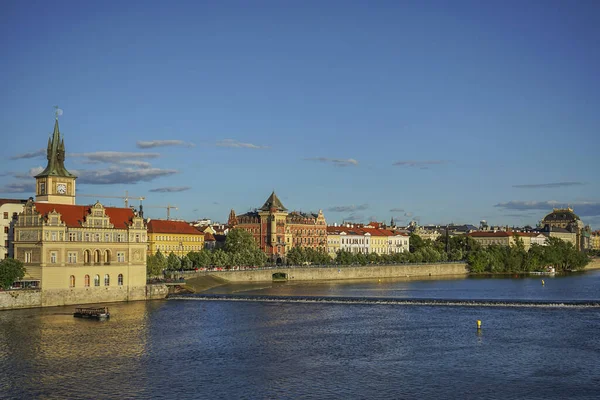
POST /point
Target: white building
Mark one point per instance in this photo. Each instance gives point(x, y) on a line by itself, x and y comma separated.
point(9, 210)
point(355, 241)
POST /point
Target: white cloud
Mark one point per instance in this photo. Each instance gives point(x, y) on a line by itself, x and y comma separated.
point(162, 143)
point(339, 162)
point(235, 144)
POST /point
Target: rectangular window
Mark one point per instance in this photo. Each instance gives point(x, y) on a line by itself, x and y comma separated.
point(53, 236)
point(121, 256)
point(72, 236)
point(6, 229)
point(87, 237)
point(5, 215)
point(72, 257)
point(53, 257)
point(28, 257)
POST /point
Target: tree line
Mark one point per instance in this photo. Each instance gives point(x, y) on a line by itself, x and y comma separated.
point(241, 250)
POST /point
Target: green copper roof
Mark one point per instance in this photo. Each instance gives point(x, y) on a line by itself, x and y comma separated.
point(55, 156)
point(273, 202)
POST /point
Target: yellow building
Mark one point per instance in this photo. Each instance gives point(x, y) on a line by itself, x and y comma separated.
point(333, 241)
point(176, 237)
point(379, 241)
point(595, 240)
point(78, 254)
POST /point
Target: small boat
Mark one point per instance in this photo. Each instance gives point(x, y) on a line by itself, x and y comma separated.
point(93, 313)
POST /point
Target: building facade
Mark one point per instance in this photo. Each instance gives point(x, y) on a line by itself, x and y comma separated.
point(78, 254)
point(276, 231)
point(365, 240)
point(9, 211)
point(562, 221)
point(176, 237)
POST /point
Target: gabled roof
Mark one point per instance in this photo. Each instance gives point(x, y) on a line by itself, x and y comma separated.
point(273, 202)
point(174, 227)
point(208, 237)
point(74, 215)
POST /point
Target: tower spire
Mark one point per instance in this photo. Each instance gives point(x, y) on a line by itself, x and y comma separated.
point(56, 154)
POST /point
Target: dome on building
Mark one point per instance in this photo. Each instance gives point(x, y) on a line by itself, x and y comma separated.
point(564, 215)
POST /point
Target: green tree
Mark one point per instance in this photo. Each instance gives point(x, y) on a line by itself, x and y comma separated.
point(153, 266)
point(186, 263)
point(161, 260)
point(239, 240)
point(173, 262)
point(415, 242)
point(11, 270)
point(344, 257)
point(243, 249)
point(220, 258)
point(295, 256)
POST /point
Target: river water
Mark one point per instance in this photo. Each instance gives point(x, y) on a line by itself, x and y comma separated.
point(530, 347)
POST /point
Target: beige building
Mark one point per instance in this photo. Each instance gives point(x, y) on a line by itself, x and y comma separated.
point(508, 238)
point(78, 254)
point(9, 210)
point(487, 238)
point(595, 240)
point(564, 224)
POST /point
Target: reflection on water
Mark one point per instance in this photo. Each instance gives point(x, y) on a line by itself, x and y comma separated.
point(250, 350)
point(51, 349)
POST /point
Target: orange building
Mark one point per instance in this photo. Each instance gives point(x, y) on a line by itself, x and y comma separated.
point(277, 231)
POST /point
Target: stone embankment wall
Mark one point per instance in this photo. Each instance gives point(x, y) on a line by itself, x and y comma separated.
point(14, 299)
point(343, 273)
point(594, 264)
point(156, 291)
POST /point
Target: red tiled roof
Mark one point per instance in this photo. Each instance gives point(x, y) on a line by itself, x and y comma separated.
point(74, 215)
point(361, 231)
point(208, 237)
point(164, 226)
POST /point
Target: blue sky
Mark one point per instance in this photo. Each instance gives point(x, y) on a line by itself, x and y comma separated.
point(435, 110)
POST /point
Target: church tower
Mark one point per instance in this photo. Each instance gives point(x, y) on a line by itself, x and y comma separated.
point(55, 184)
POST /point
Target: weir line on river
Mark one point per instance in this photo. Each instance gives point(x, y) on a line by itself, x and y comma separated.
point(391, 301)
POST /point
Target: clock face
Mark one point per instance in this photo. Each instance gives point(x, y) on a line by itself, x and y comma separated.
point(61, 188)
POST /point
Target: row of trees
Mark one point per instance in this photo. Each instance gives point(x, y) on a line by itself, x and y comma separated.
point(241, 250)
point(561, 255)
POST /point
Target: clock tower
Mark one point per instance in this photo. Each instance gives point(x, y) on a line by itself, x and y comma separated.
point(55, 184)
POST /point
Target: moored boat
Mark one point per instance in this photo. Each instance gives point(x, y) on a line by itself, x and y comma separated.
point(94, 313)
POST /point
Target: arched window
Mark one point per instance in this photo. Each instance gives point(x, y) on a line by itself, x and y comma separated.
point(107, 257)
point(120, 280)
point(86, 256)
point(106, 280)
point(97, 256)
point(72, 281)
point(97, 280)
point(87, 281)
